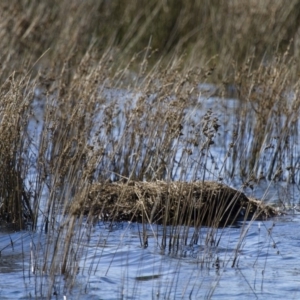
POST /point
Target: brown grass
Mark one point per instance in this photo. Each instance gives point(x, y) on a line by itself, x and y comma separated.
point(201, 29)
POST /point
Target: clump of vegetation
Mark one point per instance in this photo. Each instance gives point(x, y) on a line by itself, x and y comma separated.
point(16, 205)
point(204, 203)
point(201, 29)
point(101, 91)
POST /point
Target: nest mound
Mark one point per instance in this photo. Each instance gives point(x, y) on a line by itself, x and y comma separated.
point(177, 203)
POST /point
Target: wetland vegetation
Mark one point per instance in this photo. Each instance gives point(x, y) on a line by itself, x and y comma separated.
point(149, 99)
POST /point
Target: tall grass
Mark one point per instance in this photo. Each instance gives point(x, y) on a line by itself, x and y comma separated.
point(202, 29)
point(117, 86)
point(16, 206)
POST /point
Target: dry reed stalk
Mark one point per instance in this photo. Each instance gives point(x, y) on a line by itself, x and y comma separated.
point(15, 203)
point(271, 92)
point(227, 30)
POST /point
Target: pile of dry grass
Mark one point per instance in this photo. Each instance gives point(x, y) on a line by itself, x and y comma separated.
point(175, 203)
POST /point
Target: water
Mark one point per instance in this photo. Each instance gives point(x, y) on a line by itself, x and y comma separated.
point(257, 260)
point(267, 265)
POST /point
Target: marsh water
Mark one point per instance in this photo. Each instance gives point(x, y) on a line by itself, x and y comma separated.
point(256, 259)
point(267, 266)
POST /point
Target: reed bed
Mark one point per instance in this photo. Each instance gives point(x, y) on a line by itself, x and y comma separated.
point(99, 94)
